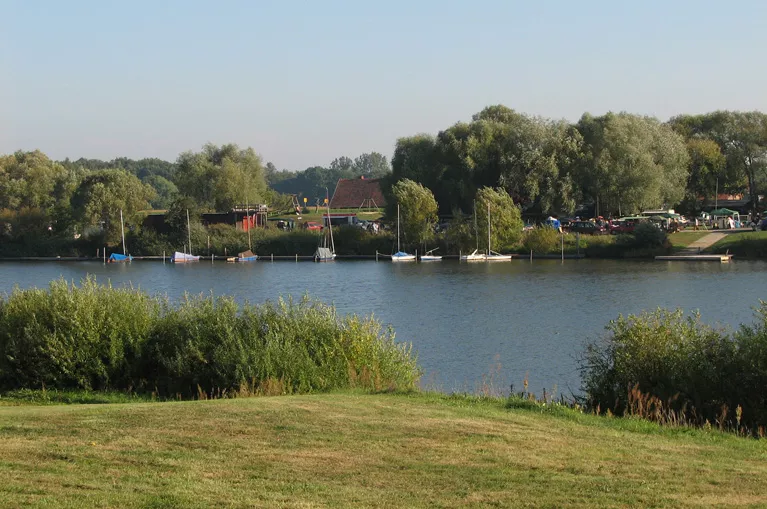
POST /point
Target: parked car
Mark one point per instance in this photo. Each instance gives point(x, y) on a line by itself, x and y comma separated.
point(618, 227)
point(312, 225)
point(587, 228)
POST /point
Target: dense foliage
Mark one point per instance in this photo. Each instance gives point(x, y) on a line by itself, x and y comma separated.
point(99, 337)
point(698, 372)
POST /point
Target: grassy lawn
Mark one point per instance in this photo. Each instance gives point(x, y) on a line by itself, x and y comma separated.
point(357, 450)
point(684, 239)
point(743, 244)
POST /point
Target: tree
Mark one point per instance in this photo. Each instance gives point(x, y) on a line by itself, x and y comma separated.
point(505, 218)
point(706, 165)
point(631, 163)
point(221, 177)
point(102, 194)
point(418, 211)
point(372, 165)
point(343, 166)
point(165, 191)
point(32, 180)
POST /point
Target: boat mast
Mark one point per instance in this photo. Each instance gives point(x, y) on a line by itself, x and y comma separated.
point(189, 231)
point(330, 224)
point(247, 220)
point(398, 227)
point(122, 230)
point(476, 230)
point(488, 228)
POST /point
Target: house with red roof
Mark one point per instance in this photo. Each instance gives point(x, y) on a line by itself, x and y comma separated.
point(358, 193)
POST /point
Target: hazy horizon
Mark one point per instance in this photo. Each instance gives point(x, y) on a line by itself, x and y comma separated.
point(304, 83)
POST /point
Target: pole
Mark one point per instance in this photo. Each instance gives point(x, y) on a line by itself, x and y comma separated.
point(163, 257)
point(578, 243)
point(716, 196)
point(272, 257)
point(376, 255)
point(330, 225)
point(398, 227)
point(531, 256)
point(122, 230)
point(105, 255)
point(208, 244)
point(562, 237)
point(247, 221)
point(488, 228)
point(189, 231)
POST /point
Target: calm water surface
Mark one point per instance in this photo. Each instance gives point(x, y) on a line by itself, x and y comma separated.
point(463, 319)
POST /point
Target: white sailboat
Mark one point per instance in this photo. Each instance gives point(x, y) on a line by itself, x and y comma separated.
point(324, 252)
point(429, 257)
point(401, 256)
point(184, 257)
point(492, 256)
point(476, 256)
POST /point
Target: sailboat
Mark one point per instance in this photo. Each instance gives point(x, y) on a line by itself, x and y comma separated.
point(401, 256)
point(492, 256)
point(247, 256)
point(429, 257)
point(476, 256)
point(324, 252)
point(116, 257)
point(183, 257)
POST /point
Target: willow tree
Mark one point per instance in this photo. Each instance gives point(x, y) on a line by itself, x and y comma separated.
point(504, 219)
point(417, 209)
point(631, 163)
point(220, 177)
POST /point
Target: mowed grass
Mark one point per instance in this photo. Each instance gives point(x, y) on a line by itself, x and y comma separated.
point(749, 243)
point(684, 239)
point(358, 450)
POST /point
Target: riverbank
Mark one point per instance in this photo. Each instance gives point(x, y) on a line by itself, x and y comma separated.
point(355, 450)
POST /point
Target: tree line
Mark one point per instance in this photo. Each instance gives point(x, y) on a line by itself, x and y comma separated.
point(615, 164)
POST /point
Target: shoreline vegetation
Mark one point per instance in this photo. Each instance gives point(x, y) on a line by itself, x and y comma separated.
point(663, 365)
point(112, 397)
point(352, 242)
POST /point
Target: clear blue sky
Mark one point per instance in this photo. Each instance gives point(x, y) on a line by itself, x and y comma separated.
point(304, 82)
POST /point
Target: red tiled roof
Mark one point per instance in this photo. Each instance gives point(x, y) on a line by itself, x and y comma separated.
point(356, 193)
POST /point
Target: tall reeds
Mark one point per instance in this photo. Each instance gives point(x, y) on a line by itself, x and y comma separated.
point(98, 337)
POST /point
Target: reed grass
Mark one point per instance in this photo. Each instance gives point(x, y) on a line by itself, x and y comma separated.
point(97, 337)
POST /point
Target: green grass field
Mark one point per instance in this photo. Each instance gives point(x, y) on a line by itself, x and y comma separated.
point(684, 239)
point(357, 450)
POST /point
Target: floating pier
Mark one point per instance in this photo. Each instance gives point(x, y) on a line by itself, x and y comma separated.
point(722, 258)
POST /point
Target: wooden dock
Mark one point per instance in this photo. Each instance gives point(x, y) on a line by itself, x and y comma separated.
point(722, 258)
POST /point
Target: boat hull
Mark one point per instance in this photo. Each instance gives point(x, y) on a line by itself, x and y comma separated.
point(184, 258)
point(431, 258)
point(402, 257)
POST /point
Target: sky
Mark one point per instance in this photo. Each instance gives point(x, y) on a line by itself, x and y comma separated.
point(304, 82)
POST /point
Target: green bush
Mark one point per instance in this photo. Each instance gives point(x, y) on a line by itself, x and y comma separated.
point(700, 372)
point(97, 337)
point(648, 235)
point(541, 240)
point(87, 337)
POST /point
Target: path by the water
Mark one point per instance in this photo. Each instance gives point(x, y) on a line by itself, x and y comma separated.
point(702, 243)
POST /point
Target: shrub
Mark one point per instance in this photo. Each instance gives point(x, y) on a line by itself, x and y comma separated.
point(98, 337)
point(648, 235)
point(694, 370)
point(541, 240)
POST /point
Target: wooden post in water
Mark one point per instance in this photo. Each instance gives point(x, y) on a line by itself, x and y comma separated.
point(296, 257)
point(531, 256)
point(163, 257)
point(376, 255)
point(272, 257)
point(416, 256)
point(105, 255)
point(211, 259)
point(562, 237)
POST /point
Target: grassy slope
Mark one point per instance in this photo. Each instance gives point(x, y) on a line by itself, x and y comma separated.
point(353, 450)
point(752, 244)
point(684, 239)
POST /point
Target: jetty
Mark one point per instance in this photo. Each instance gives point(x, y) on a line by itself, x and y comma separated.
point(692, 253)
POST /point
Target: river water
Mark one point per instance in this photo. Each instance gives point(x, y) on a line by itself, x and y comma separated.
point(500, 320)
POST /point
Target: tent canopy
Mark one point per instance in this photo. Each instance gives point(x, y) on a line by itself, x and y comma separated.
point(724, 212)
